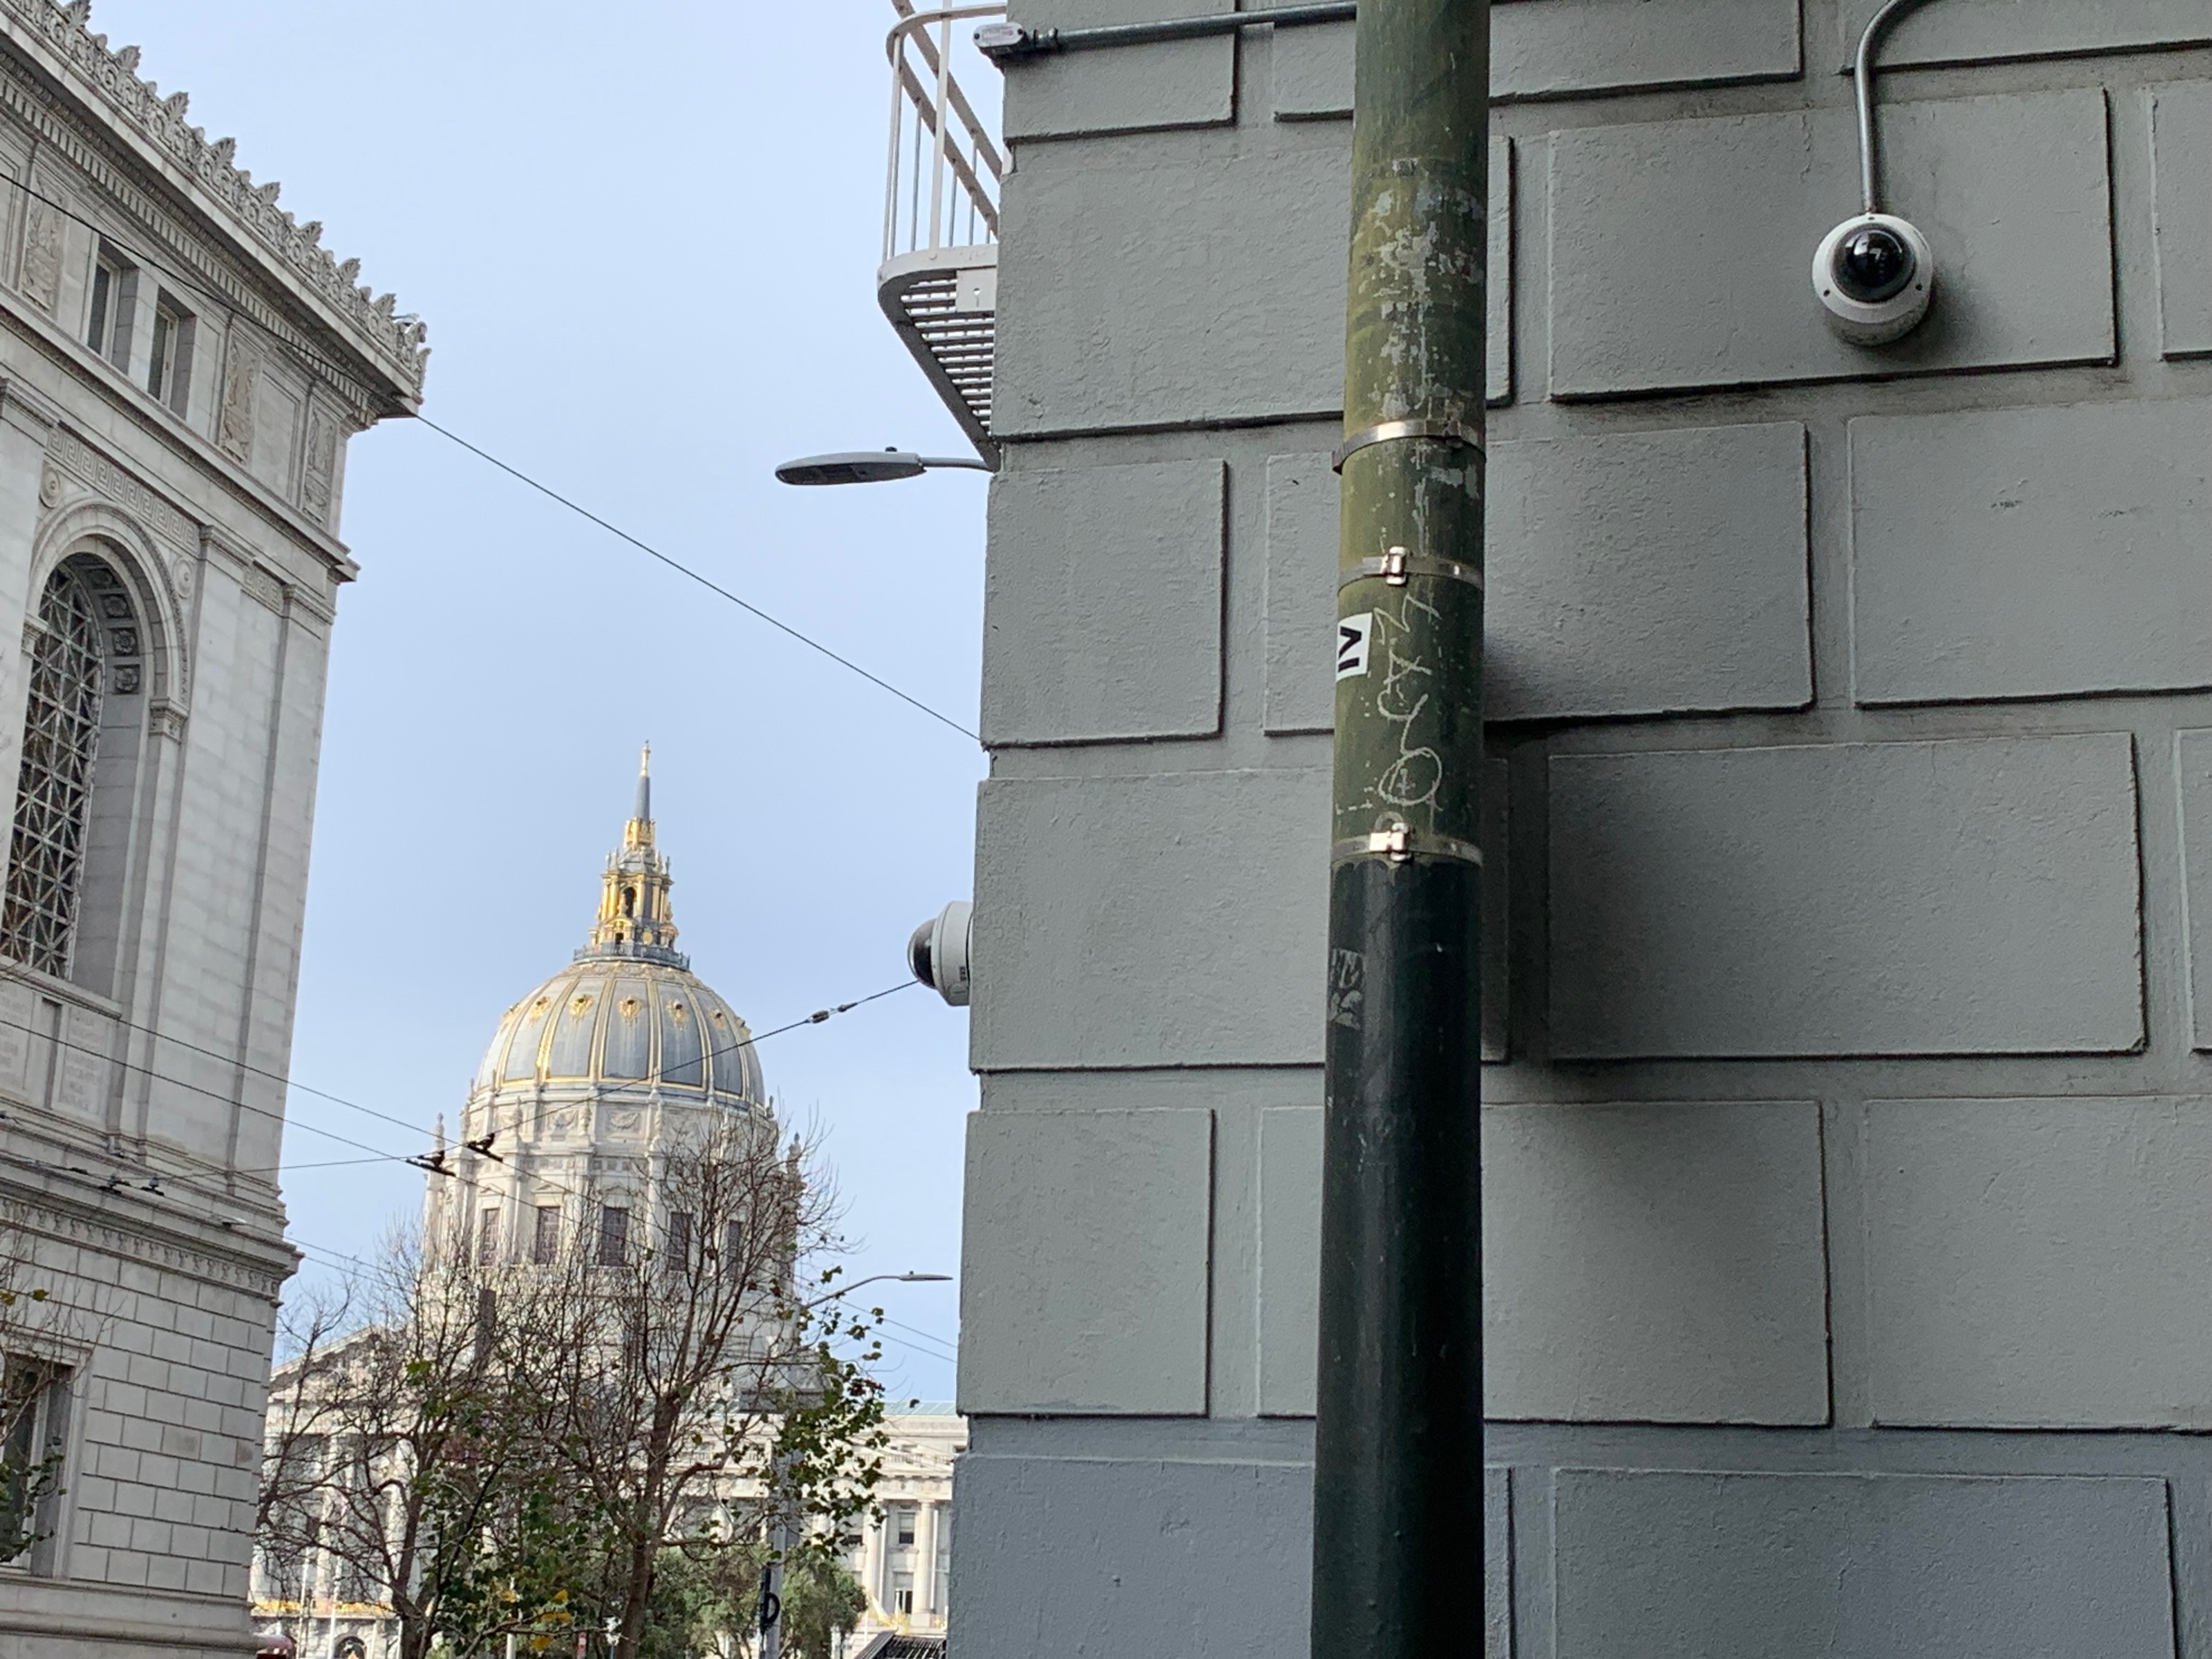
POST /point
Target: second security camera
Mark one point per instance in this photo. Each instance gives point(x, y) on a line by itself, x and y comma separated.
point(938, 953)
point(1875, 276)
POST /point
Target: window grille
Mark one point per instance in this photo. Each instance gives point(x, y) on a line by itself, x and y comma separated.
point(61, 732)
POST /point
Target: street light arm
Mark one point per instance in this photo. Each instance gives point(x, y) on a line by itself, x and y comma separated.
point(876, 1278)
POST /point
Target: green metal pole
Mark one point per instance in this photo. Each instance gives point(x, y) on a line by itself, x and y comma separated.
point(1398, 1465)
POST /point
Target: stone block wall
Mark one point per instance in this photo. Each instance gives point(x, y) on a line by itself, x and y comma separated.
point(1847, 1202)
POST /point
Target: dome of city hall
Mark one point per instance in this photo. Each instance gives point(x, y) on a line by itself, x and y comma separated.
point(626, 1014)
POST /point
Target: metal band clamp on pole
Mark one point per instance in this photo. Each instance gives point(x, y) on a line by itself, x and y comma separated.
point(1450, 430)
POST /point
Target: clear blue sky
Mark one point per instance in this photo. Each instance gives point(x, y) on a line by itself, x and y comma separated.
point(644, 239)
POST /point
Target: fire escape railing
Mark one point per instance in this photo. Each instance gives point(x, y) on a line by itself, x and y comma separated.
point(939, 284)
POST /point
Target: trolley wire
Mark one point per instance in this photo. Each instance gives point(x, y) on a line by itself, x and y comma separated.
point(315, 372)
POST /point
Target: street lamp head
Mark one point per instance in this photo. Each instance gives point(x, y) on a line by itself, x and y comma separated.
point(860, 466)
point(925, 1279)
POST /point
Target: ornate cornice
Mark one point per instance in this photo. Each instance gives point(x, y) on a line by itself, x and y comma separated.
point(110, 78)
point(52, 1215)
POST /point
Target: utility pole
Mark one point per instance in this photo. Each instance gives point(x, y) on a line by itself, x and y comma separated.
point(1398, 1461)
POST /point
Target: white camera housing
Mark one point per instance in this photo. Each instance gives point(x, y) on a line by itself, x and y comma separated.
point(938, 951)
point(1880, 319)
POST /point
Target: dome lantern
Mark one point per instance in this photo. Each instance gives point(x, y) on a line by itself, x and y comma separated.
point(636, 918)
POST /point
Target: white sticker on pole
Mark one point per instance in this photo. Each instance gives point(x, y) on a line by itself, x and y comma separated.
point(1353, 636)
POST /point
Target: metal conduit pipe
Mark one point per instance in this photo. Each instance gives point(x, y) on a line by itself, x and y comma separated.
point(1006, 43)
point(1863, 73)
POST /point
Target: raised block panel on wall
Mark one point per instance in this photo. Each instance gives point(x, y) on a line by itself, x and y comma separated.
point(2192, 761)
point(1175, 83)
point(1130, 1554)
point(1658, 1564)
point(1172, 918)
point(1140, 287)
point(2181, 160)
point(1985, 31)
point(1977, 897)
point(1102, 615)
point(2032, 552)
point(1569, 49)
point(1085, 1262)
point(2039, 1263)
point(1624, 1248)
point(1681, 250)
point(1638, 573)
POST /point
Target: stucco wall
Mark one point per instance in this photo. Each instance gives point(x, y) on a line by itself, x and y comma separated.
point(1851, 854)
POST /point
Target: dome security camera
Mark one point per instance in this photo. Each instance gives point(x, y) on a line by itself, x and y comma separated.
point(937, 953)
point(1875, 276)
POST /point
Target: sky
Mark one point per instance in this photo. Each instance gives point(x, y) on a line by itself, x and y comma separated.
point(644, 239)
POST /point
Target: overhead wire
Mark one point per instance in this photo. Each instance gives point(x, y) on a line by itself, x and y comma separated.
point(315, 372)
point(815, 1019)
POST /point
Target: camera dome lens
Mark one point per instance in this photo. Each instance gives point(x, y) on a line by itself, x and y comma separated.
point(1872, 263)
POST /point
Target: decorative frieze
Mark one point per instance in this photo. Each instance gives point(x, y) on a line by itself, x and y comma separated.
point(111, 483)
point(63, 1226)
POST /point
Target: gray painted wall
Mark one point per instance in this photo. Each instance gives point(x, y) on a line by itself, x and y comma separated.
point(1848, 1199)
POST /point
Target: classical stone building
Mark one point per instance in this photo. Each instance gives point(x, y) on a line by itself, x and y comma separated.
point(590, 1081)
point(1848, 1202)
point(181, 365)
point(904, 1558)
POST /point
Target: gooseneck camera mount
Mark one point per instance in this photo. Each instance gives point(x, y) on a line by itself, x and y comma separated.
point(1876, 274)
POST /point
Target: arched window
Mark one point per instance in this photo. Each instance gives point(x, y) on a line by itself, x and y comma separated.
point(84, 654)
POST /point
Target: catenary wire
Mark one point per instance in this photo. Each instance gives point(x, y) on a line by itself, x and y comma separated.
point(707, 582)
point(814, 1018)
point(516, 473)
point(342, 1260)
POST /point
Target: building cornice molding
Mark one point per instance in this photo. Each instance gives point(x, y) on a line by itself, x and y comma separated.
point(59, 40)
point(44, 1208)
point(29, 411)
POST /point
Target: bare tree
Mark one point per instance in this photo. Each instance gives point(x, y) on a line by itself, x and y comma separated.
point(702, 1386)
point(503, 1449)
point(398, 1452)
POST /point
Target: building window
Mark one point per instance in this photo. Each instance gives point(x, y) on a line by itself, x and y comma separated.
point(169, 373)
point(614, 1237)
point(903, 1594)
point(903, 1525)
point(114, 294)
point(679, 1241)
point(61, 735)
point(545, 1243)
point(733, 1247)
point(487, 1237)
point(34, 1400)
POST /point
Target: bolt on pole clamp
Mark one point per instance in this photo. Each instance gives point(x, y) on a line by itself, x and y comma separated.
point(1401, 844)
point(1398, 567)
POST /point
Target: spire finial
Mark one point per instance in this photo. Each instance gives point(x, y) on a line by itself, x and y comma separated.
point(634, 911)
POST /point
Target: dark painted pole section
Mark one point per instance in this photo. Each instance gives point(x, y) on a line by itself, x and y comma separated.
point(1398, 1468)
